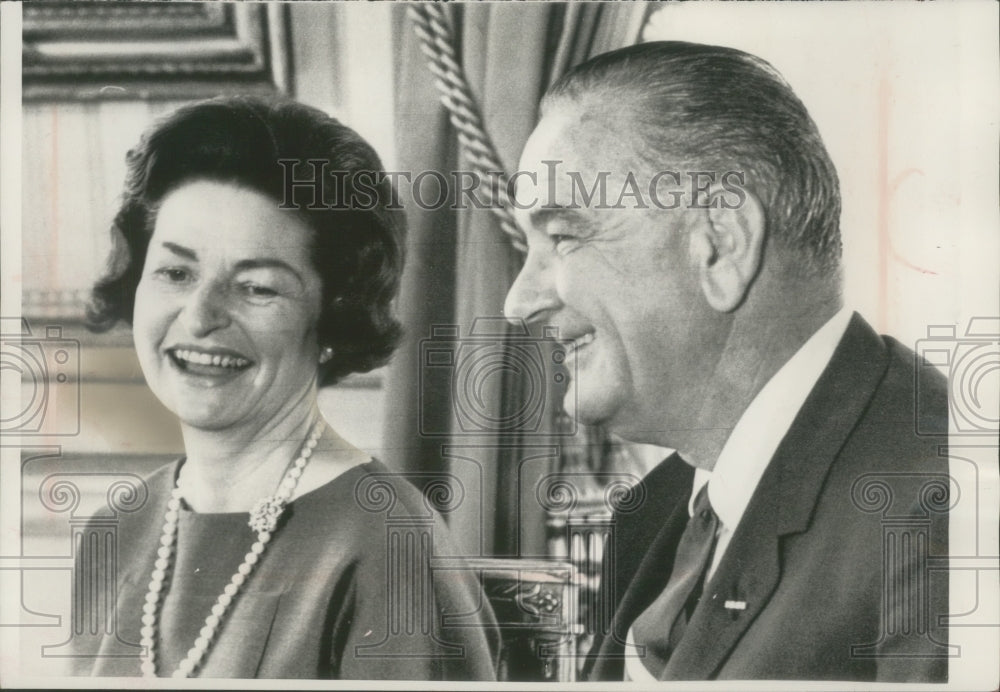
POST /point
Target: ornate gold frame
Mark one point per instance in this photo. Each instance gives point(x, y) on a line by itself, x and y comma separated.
point(152, 50)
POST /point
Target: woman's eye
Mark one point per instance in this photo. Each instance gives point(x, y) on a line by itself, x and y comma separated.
point(258, 291)
point(173, 274)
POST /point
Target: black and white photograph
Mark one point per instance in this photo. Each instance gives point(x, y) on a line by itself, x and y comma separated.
point(446, 345)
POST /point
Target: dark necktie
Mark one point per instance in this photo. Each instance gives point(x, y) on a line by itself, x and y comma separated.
point(659, 628)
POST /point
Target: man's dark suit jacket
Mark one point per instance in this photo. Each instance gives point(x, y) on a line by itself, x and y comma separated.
point(831, 555)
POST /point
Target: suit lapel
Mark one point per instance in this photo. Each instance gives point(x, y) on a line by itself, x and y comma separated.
point(653, 572)
point(782, 504)
point(668, 488)
point(664, 488)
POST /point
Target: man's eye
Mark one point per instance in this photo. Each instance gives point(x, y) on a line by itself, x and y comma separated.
point(563, 243)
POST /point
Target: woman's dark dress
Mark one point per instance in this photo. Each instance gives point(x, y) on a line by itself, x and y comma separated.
point(343, 590)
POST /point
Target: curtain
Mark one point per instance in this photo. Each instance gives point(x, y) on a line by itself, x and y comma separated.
point(460, 265)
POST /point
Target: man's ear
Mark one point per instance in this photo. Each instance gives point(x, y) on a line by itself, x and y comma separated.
point(727, 246)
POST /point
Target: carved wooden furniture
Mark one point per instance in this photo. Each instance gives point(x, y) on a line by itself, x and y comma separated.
point(535, 602)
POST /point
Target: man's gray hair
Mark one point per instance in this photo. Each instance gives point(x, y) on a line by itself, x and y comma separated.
point(719, 109)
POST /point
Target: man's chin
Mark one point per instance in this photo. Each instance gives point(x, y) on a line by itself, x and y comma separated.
point(585, 408)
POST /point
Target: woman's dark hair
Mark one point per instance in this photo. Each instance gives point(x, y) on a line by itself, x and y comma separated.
point(310, 164)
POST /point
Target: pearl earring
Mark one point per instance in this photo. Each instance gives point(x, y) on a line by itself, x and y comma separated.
point(325, 354)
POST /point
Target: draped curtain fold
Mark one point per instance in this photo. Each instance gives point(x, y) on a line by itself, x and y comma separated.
point(460, 265)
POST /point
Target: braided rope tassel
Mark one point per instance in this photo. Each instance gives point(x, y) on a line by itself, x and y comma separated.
point(433, 27)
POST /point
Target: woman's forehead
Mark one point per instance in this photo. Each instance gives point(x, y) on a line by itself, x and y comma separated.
point(217, 218)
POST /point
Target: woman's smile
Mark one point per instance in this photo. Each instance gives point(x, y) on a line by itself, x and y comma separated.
point(207, 366)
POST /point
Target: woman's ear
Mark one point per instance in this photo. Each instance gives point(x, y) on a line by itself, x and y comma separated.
point(727, 247)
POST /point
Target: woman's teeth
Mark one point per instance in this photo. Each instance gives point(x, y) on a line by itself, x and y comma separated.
point(199, 358)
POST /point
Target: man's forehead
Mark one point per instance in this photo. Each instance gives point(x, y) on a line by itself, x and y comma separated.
point(570, 146)
point(564, 133)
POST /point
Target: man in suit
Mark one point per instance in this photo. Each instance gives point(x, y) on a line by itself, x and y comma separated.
point(682, 216)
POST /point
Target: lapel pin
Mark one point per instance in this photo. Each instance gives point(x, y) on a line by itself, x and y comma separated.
point(735, 605)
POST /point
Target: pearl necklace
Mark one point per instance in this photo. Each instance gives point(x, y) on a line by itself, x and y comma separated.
point(263, 520)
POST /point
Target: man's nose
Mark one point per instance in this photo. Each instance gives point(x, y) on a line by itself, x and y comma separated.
point(206, 310)
point(532, 296)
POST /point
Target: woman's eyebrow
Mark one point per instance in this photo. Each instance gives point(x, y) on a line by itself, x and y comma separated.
point(269, 263)
point(242, 265)
point(186, 253)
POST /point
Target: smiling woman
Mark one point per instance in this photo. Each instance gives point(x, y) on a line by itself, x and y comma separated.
point(226, 309)
point(259, 553)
